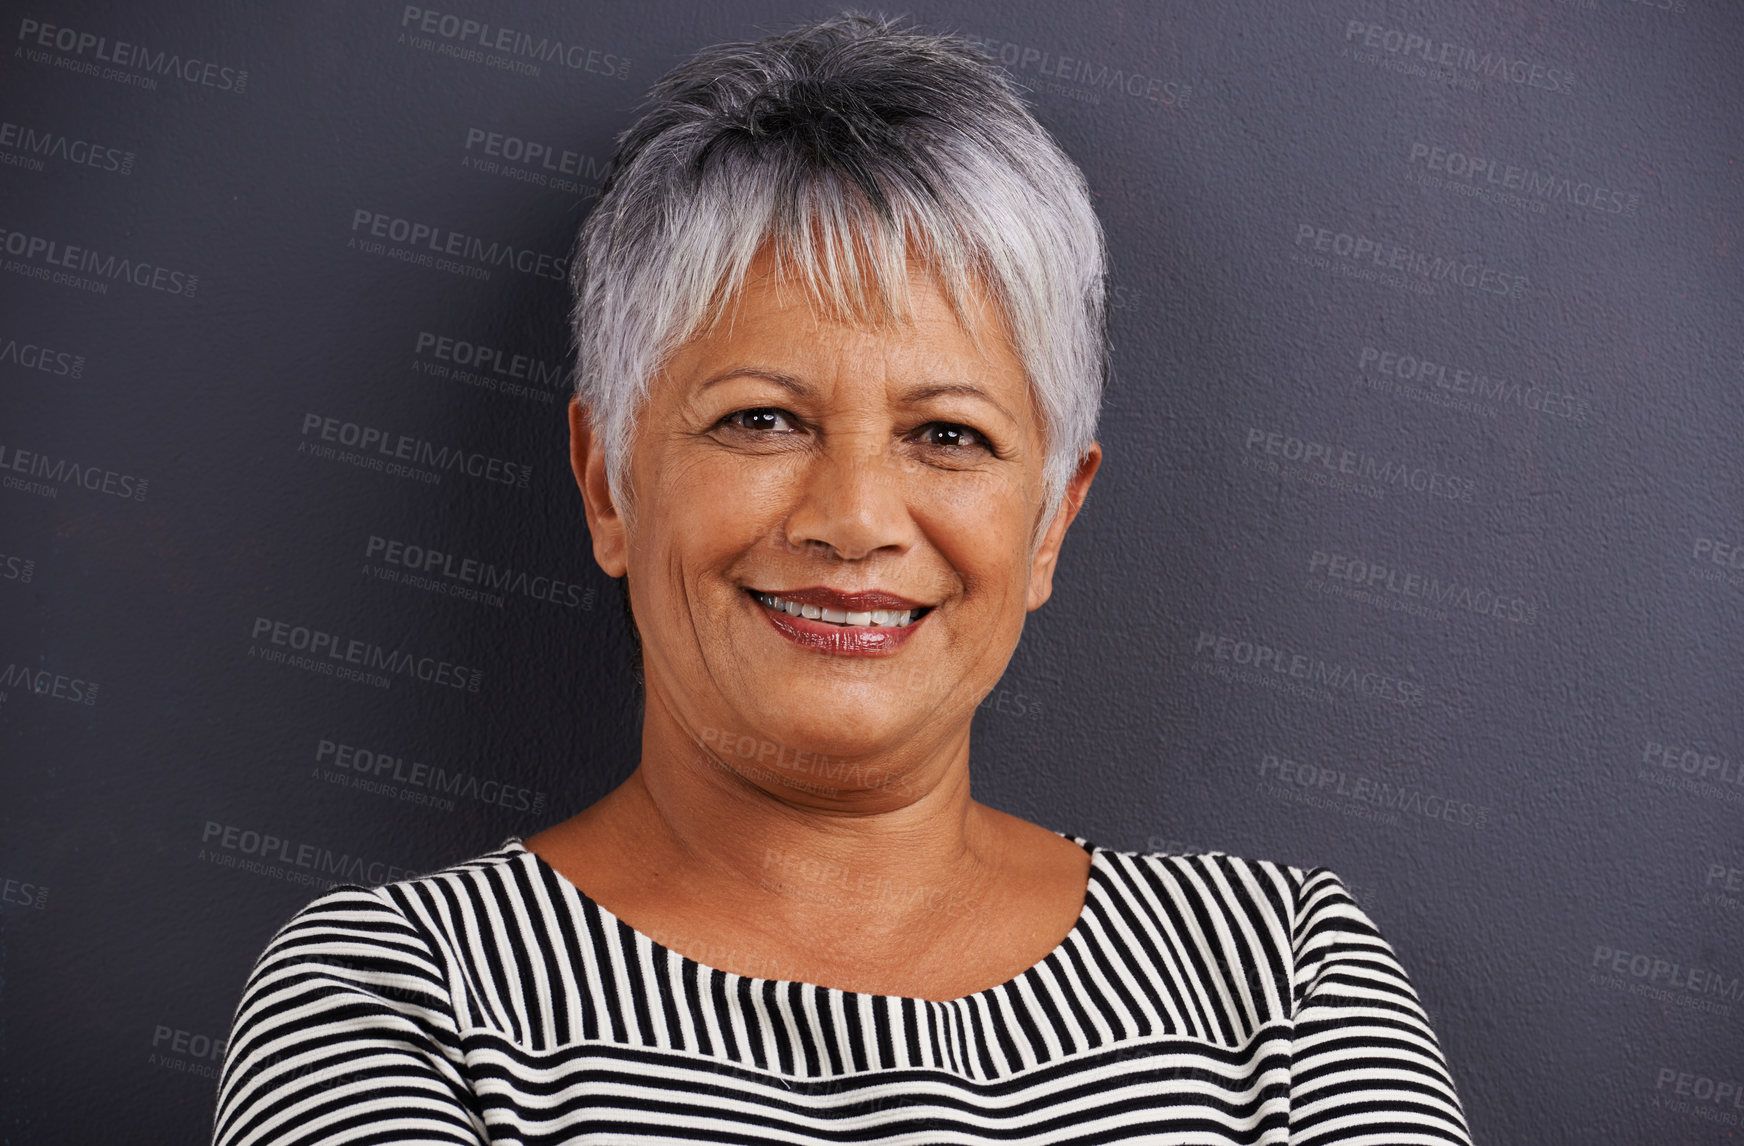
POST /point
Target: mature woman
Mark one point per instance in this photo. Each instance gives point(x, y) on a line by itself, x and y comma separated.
point(840, 320)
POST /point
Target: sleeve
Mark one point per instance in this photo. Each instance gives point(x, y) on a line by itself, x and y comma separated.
point(346, 1034)
point(1365, 1066)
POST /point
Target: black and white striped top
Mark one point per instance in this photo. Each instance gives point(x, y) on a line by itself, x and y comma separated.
point(1197, 999)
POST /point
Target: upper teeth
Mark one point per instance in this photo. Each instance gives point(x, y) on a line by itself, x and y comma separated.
point(881, 617)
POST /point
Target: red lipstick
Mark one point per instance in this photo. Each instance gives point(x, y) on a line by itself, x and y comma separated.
point(843, 640)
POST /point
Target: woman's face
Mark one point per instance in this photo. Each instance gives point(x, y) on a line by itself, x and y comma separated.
point(787, 454)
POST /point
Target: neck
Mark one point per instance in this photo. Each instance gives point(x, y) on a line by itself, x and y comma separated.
point(799, 834)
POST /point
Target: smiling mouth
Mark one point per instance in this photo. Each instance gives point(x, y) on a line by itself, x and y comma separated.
point(877, 618)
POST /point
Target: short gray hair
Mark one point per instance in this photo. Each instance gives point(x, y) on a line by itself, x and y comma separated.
point(853, 144)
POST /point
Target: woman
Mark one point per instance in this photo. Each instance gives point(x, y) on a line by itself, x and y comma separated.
point(840, 320)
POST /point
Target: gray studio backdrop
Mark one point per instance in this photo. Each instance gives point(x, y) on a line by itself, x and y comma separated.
point(1417, 553)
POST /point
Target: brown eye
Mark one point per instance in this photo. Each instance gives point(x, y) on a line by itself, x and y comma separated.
point(949, 435)
point(762, 419)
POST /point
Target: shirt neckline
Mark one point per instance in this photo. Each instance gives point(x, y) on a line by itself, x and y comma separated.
point(1080, 932)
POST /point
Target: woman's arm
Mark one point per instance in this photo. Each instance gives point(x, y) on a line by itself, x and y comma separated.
point(1366, 1067)
point(346, 1034)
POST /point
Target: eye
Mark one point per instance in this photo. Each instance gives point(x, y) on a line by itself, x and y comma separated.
point(761, 419)
point(952, 436)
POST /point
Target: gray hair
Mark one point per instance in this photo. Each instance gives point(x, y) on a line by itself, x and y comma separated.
point(853, 144)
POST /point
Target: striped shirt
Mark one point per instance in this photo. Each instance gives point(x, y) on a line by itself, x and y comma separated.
point(1197, 999)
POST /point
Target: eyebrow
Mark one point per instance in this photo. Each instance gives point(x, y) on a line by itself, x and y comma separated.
point(919, 393)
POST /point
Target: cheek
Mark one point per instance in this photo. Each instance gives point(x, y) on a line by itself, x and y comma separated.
point(712, 509)
point(983, 534)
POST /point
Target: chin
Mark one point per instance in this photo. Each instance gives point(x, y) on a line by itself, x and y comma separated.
point(835, 722)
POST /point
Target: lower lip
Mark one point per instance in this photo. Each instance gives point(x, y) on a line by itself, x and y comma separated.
point(840, 640)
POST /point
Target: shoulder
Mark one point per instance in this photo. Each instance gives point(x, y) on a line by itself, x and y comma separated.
point(488, 872)
point(1290, 888)
point(1303, 921)
point(412, 944)
point(1294, 913)
point(1216, 939)
point(388, 927)
point(359, 990)
point(1254, 887)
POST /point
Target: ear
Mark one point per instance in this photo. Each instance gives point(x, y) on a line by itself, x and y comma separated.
point(1041, 570)
point(604, 522)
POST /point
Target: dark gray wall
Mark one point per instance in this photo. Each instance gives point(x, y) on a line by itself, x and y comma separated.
point(1417, 553)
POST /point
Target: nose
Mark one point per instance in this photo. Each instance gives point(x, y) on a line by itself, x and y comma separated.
point(852, 499)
